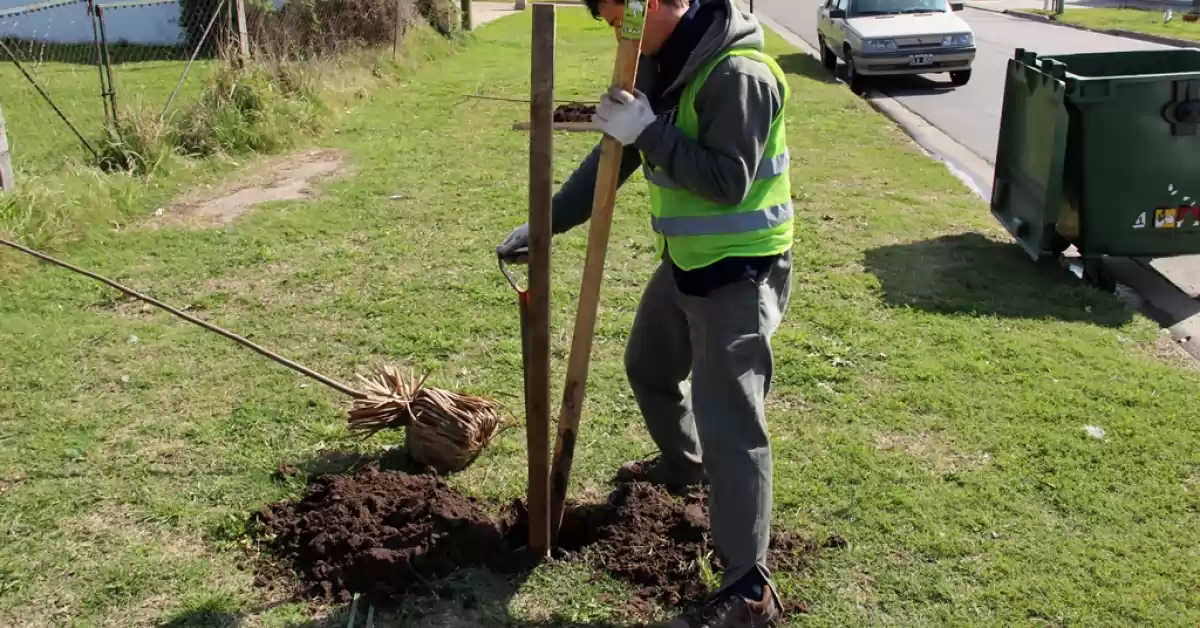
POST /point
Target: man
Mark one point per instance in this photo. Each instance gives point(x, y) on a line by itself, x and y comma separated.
point(706, 127)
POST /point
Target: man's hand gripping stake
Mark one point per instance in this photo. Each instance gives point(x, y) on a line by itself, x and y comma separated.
point(629, 49)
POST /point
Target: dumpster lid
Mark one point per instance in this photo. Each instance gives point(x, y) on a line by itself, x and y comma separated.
point(1176, 63)
point(1031, 150)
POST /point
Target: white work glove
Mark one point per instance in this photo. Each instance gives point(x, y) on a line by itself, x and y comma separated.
point(515, 245)
point(623, 115)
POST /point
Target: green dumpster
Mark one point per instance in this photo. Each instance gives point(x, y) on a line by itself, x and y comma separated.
point(1101, 151)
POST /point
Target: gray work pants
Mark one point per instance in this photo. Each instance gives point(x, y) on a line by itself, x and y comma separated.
point(719, 430)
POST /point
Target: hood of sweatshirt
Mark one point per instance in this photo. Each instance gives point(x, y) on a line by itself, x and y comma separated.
point(730, 28)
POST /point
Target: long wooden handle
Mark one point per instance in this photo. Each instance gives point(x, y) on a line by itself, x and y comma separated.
point(608, 173)
point(336, 385)
point(536, 320)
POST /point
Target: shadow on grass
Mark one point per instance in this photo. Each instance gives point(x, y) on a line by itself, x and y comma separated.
point(971, 274)
point(343, 462)
point(804, 65)
point(472, 597)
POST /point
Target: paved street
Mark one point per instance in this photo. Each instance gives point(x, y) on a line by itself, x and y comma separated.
point(969, 114)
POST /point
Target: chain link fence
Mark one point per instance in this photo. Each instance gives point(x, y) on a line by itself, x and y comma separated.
point(72, 68)
point(49, 70)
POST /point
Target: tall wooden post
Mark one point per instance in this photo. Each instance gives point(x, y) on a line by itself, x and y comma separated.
point(541, 181)
point(608, 174)
point(243, 34)
point(468, 23)
point(396, 32)
point(7, 178)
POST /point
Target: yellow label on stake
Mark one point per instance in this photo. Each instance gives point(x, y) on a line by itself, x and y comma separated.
point(634, 20)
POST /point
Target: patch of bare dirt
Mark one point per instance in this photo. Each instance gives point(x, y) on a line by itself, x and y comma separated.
point(9, 480)
point(930, 449)
point(1168, 350)
point(288, 178)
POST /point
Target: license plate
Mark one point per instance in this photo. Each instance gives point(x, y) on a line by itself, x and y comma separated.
point(920, 59)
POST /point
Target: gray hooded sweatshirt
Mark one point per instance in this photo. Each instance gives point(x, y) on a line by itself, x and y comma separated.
point(735, 106)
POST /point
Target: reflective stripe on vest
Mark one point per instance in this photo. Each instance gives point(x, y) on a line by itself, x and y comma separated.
point(767, 168)
point(723, 223)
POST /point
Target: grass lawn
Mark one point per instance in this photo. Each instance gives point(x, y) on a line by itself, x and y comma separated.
point(932, 385)
point(42, 143)
point(1138, 20)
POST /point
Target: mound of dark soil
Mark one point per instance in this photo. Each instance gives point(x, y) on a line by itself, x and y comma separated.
point(385, 534)
point(574, 112)
point(379, 534)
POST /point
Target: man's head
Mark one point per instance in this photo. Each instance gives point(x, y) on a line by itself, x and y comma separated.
point(661, 18)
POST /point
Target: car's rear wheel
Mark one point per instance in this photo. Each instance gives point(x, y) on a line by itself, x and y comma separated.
point(958, 79)
point(856, 81)
point(828, 59)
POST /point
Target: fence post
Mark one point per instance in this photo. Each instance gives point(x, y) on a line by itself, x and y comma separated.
point(108, 115)
point(396, 30)
point(243, 35)
point(7, 180)
point(112, 88)
point(468, 23)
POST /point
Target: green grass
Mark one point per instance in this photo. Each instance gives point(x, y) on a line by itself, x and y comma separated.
point(42, 143)
point(1138, 20)
point(62, 194)
point(931, 393)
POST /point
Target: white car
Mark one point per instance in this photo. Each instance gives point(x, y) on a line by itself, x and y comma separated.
point(889, 37)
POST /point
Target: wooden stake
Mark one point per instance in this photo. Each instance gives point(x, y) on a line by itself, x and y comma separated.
point(541, 180)
point(243, 34)
point(629, 49)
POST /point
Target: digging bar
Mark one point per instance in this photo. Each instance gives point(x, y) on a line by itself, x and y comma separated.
point(629, 49)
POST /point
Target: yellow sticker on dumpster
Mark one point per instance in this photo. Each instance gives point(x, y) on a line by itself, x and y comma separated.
point(1164, 218)
point(1173, 217)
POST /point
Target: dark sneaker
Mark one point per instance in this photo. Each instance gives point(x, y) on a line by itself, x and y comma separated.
point(655, 471)
point(733, 611)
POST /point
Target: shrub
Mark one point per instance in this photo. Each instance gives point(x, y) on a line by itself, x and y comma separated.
point(303, 29)
point(257, 108)
point(136, 144)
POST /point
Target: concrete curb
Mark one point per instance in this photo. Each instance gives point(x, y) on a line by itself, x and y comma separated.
point(1116, 32)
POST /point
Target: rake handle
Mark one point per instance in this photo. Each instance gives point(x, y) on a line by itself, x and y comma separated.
point(338, 386)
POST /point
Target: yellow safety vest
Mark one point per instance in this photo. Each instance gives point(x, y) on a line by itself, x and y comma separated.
point(698, 231)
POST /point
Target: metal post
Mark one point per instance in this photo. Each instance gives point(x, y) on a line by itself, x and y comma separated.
point(243, 35)
point(112, 88)
point(108, 114)
point(7, 178)
point(396, 34)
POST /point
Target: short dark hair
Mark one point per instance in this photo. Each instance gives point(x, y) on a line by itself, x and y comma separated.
point(593, 6)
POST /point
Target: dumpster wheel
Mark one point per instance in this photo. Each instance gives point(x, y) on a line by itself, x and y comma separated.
point(1096, 273)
